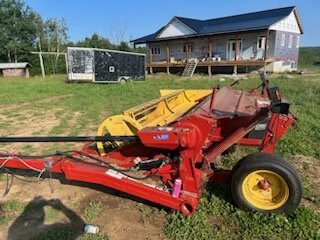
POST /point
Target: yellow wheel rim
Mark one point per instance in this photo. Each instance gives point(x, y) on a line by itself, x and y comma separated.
point(270, 197)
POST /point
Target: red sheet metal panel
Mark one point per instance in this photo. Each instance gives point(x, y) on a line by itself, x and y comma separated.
point(228, 103)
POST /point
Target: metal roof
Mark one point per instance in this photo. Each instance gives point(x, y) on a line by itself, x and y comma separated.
point(148, 38)
point(14, 65)
point(237, 23)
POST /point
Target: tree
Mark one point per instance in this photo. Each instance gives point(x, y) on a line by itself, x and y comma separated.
point(124, 46)
point(117, 31)
point(53, 38)
point(17, 30)
point(55, 34)
point(96, 41)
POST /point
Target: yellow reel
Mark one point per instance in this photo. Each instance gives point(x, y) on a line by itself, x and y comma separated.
point(118, 125)
point(169, 107)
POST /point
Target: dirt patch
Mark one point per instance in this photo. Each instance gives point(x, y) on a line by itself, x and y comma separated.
point(54, 98)
point(9, 107)
point(27, 124)
point(120, 218)
point(309, 170)
point(216, 220)
point(39, 122)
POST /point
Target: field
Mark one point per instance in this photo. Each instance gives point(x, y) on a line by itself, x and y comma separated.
point(53, 107)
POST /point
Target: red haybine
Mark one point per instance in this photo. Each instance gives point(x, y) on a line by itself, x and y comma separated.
point(171, 164)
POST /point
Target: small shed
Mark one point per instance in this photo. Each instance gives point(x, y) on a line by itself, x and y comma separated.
point(15, 69)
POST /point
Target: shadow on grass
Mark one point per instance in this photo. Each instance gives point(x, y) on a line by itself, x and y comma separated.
point(31, 223)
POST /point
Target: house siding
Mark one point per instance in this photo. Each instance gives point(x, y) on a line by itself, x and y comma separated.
point(219, 46)
point(175, 28)
point(157, 57)
point(176, 50)
point(286, 57)
point(272, 44)
point(286, 53)
point(287, 24)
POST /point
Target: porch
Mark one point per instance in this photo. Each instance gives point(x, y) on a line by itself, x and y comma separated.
point(247, 50)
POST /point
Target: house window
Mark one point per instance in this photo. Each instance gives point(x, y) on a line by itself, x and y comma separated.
point(155, 51)
point(298, 42)
point(283, 39)
point(188, 48)
point(261, 42)
point(290, 41)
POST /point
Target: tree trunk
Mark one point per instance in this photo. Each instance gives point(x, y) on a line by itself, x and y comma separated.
point(15, 56)
point(9, 56)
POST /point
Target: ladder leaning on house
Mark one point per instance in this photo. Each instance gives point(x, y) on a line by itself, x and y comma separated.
point(190, 67)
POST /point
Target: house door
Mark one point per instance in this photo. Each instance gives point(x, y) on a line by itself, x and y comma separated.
point(233, 48)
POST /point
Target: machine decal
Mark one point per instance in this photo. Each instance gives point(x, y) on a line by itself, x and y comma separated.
point(161, 137)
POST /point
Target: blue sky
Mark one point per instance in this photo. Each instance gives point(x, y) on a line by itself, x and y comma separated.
point(142, 17)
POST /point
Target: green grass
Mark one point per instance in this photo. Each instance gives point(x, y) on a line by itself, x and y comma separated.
point(217, 217)
point(10, 209)
point(309, 58)
point(92, 211)
point(308, 192)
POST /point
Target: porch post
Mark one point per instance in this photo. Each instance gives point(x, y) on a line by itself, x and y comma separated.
point(210, 50)
point(168, 53)
point(235, 67)
point(150, 55)
point(185, 46)
point(236, 49)
point(266, 45)
point(209, 56)
point(150, 60)
point(266, 49)
point(168, 58)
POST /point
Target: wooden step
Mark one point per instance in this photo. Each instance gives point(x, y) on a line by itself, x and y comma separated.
point(190, 68)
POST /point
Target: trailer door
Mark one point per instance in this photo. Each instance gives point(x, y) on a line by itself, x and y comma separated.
point(104, 68)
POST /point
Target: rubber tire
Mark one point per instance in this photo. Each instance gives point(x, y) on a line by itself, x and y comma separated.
point(122, 81)
point(271, 162)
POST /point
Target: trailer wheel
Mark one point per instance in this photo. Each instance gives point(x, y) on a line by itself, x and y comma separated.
point(266, 183)
point(122, 80)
